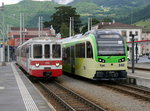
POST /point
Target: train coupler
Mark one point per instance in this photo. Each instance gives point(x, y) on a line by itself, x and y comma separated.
point(47, 74)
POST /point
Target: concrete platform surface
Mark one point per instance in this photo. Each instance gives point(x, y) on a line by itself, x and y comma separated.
point(140, 77)
point(17, 93)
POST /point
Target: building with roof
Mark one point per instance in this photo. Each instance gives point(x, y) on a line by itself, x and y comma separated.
point(14, 34)
point(146, 47)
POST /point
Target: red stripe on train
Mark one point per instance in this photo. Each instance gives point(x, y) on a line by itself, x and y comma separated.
point(39, 73)
point(46, 62)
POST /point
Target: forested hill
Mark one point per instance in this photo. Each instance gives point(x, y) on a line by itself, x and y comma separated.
point(112, 3)
point(31, 9)
point(115, 9)
point(142, 14)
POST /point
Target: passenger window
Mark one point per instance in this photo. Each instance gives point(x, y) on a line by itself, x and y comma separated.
point(89, 50)
point(37, 51)
point(47, 51)
point(56, 51)
point(30, 50)
point(68, 55)
point(80, 50)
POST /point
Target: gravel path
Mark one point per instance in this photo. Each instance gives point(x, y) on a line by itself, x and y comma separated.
point(107, 98)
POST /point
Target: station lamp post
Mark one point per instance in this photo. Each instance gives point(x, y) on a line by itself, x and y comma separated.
point(133, 63)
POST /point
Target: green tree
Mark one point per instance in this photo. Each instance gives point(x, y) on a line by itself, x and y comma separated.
point(64, 30)
point(62, 16)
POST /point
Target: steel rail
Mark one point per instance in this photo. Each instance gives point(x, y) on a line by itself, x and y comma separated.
point(81, 98)
point(62, 102)
point(133, 91)
point(77, 96)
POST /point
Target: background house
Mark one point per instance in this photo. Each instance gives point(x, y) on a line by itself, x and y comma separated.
point(14, 34)
point(146, 47)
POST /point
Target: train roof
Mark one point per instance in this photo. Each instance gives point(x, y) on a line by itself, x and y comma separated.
point(94, 32)
point(41, 40)
point(102, 31)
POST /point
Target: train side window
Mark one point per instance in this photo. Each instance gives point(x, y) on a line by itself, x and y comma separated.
point(77, 50)
point(27, 52)
point(30, 50)
point(82, 51)
point(68, 54)
point(47, 51)
point(37, 51)
point(89, 50)
point(56, 50)
point(64, 55)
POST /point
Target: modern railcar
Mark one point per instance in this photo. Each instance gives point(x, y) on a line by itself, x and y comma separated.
point(97, 55)
point(41, 57)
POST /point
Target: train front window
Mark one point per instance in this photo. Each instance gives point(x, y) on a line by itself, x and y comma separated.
point(37, 51)
point(47, 51)
point(110, 44)
point(56, 50)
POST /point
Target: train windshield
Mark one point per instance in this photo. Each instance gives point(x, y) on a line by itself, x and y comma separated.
point(47, 51)
point(37, 51)
point(56, 50)
point(110, 45)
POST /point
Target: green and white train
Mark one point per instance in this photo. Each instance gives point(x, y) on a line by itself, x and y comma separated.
point(97, 55)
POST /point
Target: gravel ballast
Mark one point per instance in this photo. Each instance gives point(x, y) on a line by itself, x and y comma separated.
point(109, 99)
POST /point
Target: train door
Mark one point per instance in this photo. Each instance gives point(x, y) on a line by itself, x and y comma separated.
point(27, 57)
point(72, 60)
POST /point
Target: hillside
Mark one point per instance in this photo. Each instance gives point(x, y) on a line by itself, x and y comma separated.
point(141, 14)
point(32, 11)
point(144, 23)
point(114, 3)
point(115, 9)
point(112, 8)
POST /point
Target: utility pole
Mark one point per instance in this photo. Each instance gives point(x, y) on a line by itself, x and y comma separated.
point(3, 34)
point(89, 24)
point(39, 26)
point(70, 27)
point(20, 28)
point(3, 22)
point(23, 28)
point(132, 35)
point(8, 53)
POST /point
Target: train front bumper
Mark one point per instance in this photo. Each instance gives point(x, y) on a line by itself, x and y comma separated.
point(110, 75)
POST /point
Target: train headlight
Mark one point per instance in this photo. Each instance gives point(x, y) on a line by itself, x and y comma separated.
point(122, 60)
point(57, 64)
point(37, 64)
point(101, 60)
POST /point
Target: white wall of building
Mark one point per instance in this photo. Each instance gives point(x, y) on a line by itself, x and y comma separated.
point(146, 47)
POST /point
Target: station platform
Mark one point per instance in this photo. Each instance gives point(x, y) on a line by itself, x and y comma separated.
point(141, 75)
point(17, 93)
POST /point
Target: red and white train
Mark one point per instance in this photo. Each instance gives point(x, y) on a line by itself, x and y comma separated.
point(41, 57)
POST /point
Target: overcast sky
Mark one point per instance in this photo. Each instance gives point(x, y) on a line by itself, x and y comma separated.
point(16, 1)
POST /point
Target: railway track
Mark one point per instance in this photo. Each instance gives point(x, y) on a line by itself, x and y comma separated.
point(135, 91)
point(69, 99)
